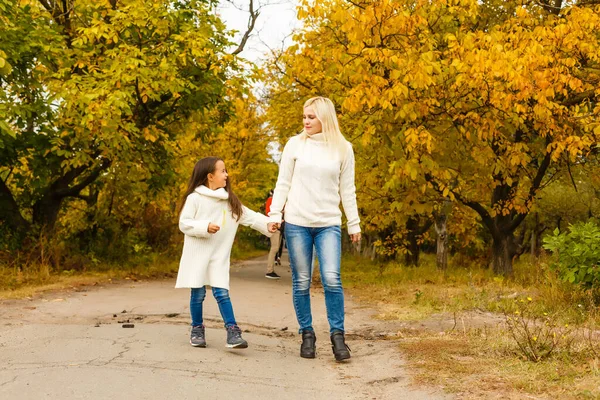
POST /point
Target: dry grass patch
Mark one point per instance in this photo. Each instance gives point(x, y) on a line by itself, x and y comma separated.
point(475, 366)
point(454, 332)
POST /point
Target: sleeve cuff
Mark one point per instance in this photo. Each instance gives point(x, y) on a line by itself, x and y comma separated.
point(261, 225)
point(198, 228)
point(353, 229)
point(275, 218)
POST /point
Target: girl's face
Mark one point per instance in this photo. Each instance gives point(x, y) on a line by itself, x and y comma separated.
point(311, 123)
point(218, 178)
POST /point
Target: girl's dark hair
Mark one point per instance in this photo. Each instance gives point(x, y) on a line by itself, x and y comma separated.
point(199, 177)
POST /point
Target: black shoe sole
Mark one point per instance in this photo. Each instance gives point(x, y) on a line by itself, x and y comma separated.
point(342, 357)
point(308, 355)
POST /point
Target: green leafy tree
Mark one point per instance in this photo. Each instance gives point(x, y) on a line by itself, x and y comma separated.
point(91, 89)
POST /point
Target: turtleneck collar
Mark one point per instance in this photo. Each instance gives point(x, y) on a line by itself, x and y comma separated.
point(220, 193)
point(318, 137)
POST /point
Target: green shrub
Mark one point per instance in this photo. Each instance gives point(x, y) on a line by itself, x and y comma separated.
point(577, 254)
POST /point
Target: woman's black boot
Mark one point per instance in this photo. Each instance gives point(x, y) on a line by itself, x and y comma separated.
point(341, 351)
point(307, 348)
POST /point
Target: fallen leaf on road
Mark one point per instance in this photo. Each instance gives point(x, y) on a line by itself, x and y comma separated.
point(30, 308)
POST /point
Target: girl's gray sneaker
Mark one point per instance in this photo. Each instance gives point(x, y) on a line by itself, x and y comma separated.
point(197, 336)
point(234, 337)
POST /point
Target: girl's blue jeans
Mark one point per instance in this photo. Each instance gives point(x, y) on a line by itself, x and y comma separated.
point(223, 300)
point(328, 243)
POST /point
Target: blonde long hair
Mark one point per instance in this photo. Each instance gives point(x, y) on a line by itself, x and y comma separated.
point(325, 111)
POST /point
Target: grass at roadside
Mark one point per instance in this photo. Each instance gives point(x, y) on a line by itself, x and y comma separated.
point(26, 282)
point(476, 361)
point(15, 283)
point(409, 293)
point(485, 366)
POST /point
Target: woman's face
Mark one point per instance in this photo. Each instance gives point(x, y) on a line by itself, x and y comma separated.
point(218, 179)
point(311, 123)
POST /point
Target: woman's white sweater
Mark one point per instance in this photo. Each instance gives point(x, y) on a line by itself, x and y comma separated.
point(205, 258)
point(311, 183)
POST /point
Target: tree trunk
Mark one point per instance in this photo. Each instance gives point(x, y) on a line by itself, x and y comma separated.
point(414, 232)
point(411, 257)
point(45, 211)
point(534, 237)
point(9, 212)
point(368, 248)
point(503, 251)
point(442, 241)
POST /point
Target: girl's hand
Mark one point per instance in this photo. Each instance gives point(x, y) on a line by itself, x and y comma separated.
point(355, 237)
point(212, 228)
point(272, 227)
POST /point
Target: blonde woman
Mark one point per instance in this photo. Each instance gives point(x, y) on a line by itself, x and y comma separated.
point(316, 173)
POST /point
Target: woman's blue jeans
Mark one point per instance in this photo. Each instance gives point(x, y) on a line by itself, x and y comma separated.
point(328, 243)
point(223, 300)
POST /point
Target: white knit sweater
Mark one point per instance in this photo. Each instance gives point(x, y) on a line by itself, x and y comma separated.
point(311, 183)
point(205, 258)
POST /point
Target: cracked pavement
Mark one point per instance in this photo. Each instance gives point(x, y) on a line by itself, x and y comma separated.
point(71, 345)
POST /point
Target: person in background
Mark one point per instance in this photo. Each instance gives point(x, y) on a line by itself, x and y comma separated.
point(276, 240)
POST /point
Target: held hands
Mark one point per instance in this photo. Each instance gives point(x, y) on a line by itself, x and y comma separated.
point(355, 237)
point(273, 227)
point(212, 228)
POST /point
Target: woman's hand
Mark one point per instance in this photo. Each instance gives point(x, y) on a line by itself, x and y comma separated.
point(273, 227)
point(355, 237)
point(212, 228)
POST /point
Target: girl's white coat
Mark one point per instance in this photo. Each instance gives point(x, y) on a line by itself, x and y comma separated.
point(206, 257)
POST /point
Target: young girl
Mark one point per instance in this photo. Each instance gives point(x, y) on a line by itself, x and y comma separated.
point(209, 219)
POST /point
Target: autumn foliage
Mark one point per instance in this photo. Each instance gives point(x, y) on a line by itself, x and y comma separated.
point(474, 123)
point(476, 103)
point(105, 106)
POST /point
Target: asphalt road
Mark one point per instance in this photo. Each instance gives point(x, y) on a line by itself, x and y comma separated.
point(71, 345)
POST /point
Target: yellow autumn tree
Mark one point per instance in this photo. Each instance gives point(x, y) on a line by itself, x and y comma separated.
point(477, 109)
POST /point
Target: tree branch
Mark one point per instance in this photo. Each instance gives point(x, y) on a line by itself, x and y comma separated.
point(73, 191)
point(251, 22)
point(590, 94)
point(535, 185)
point(486, 218)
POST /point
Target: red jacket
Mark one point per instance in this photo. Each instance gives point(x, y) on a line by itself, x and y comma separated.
point(268, 205)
